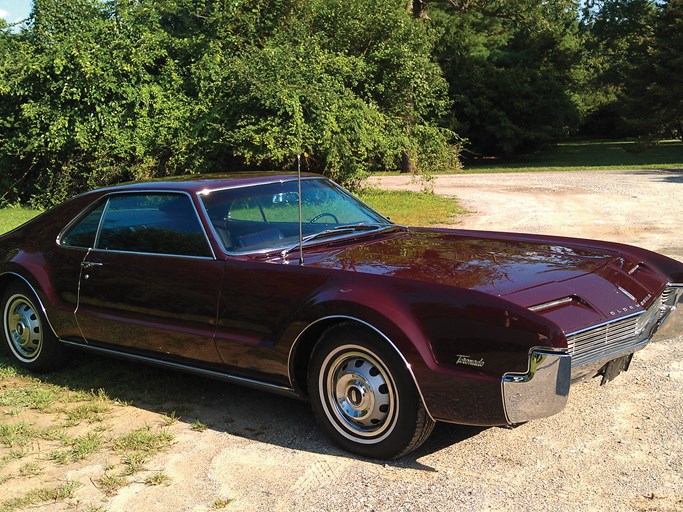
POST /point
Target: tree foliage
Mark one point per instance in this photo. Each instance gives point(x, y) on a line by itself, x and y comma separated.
point(616, 35)
point(333, 83)
point(96, 92)
point(510, 67)
point(93, 97)
point(653, 92)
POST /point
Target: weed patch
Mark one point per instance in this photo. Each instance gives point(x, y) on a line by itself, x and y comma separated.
point(42, 495)
point(18, 434)
point(159, 478)
point(143, 440)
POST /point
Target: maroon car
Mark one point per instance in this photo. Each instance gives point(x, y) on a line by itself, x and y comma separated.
point(300, 288)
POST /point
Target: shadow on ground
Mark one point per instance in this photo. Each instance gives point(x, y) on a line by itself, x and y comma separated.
point(220, 406)
point(665, 175)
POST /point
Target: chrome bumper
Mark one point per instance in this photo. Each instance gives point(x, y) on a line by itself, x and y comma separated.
point(540, 392)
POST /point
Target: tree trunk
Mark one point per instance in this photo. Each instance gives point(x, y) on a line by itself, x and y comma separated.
point(419, 9)
point(407, 163)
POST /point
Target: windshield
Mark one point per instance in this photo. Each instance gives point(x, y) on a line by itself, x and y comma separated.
point(266, 217)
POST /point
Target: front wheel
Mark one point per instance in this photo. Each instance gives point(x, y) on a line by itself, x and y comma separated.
point(364, 397)
point(26, 333)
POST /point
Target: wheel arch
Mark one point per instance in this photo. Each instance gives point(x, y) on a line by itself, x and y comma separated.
point(10, 277)
point(310, 336)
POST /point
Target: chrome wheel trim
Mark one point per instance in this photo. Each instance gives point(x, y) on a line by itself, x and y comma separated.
point(23, 328)
point(358, 394)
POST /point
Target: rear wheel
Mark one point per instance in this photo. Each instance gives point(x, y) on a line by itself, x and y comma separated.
point(363, 395)
point(26, 333)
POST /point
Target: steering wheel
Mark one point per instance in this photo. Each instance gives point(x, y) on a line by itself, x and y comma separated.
point(324, 214)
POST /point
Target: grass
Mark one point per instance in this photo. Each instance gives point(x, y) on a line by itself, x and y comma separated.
point(41, 495)
point(57, 420)
point(221, 503)
point(589, 155)
point(133, 462)
point(144, 440)
point(158, 478)
point(83, 446)
point(198, 426)
point(91, 412)
point(17, 434)
point(37, 397)
point(413, 208)
point(12, 217)
point(109, 483)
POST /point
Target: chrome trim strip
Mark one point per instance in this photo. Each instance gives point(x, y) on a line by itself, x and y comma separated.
point(98, 233)
point(551, 304)
point(161, 254)
point(274, 388)
point(80, 215)
point(207, 191)
point(354, 319)
point(625, 292)
point(40, 302)
point(540, 392)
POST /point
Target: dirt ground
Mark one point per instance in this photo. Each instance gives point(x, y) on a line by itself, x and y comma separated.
point(618, 447)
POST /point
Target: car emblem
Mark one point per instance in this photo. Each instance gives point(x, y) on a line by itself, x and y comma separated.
point(469, 361)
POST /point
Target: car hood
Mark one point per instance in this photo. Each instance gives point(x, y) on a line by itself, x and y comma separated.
point(526, 270)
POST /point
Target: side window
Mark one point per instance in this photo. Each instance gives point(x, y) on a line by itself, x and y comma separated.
point(84, 232)
point(153, 223)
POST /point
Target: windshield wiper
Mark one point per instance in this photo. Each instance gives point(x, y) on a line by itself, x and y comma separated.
point(361, 226)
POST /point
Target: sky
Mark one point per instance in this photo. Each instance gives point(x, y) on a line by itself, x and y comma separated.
point(15, 10)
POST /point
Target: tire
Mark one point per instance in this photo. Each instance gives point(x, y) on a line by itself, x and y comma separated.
point(26, 333)
point(363, 395)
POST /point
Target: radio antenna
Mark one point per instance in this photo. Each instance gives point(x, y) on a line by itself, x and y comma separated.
point(301, 229)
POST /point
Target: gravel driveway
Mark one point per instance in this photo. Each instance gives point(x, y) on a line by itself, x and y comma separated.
point(616, 447)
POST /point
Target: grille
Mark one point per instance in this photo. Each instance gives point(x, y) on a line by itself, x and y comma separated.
point(603, 340)
point(621, 335)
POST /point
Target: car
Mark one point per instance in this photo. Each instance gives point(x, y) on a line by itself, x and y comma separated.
point(290, 284)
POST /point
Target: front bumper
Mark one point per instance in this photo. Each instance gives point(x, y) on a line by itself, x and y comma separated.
point(540, 392)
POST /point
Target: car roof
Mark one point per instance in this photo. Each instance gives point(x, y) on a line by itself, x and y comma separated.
point(198, 183)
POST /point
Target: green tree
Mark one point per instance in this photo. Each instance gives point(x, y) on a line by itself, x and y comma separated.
point(653, 95)
point(617, 35)
point(95, 92)
point(93, 99)
point(512, 71)
point(333, 81)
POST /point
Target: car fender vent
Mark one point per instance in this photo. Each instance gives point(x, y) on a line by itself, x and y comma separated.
point(555, 303)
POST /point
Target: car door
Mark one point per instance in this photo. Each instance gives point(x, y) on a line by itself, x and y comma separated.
point(151, 283)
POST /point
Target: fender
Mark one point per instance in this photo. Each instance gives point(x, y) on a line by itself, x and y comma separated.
point(429, 338)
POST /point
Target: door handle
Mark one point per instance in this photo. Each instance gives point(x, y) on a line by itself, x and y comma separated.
point(90, 264)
